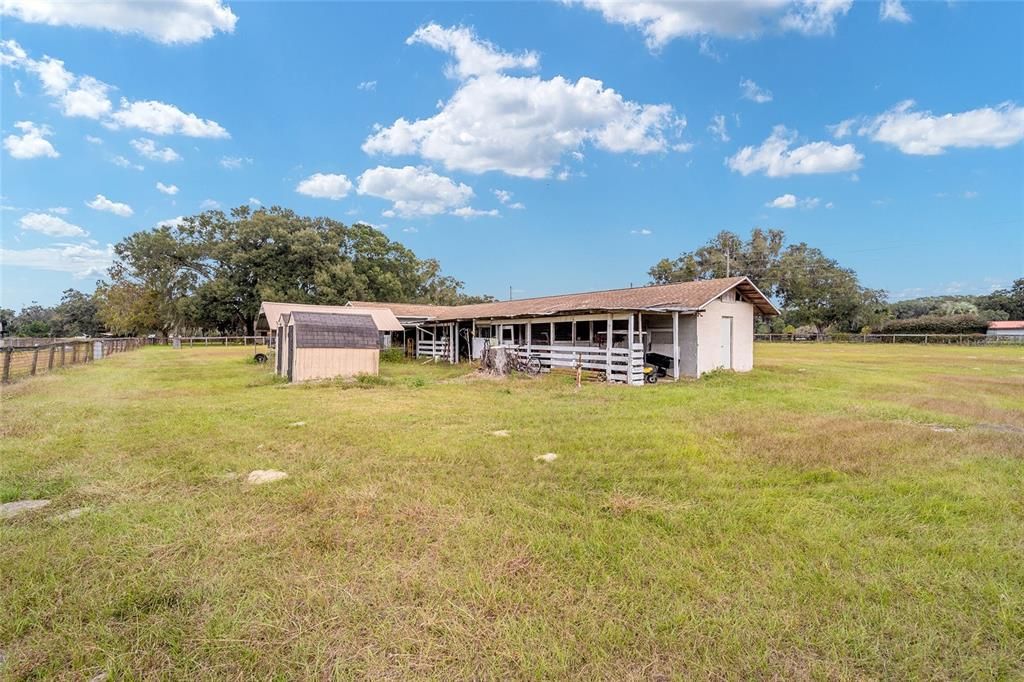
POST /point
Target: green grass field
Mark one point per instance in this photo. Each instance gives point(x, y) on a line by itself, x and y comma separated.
point(843, 512)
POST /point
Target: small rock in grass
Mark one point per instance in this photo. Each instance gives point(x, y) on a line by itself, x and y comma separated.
point(546, 457)
point(500, 434)
point(9, 509)
point(261, 476)
point(71, 514)
point(943, 429)
point(295, 425)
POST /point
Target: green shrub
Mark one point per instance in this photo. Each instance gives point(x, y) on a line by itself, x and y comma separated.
point(370, 380)
point(936, 324)
point(392, 355)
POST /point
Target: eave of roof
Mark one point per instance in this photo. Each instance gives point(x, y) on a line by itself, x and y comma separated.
point(680, 296)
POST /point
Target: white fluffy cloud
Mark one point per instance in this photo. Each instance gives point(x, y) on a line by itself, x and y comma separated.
point(325, 186)
point(167, 189)
point(77, 96)
point(784, 201)
point(923, 133)
point(521, 126)
point(842, 129)
point(172, 222)
point(234, 162)
point(662, 21)
point(754, 92)
point(159, 118)
point(167, 21)
point(86, 96)
point(50, 225)
point(468, 212)
point(126, 163)
point(473, 57)
point(32, 142)
point(815, 17)
point(893, 10)
point(718, 128)
point(505, 197)
point(149, 149)
point(414, 191)
point(777, 158)
point(790, 201)
point(101, 203)
point(81, 260)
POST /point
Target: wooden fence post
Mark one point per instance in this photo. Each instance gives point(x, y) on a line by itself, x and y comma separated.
point(49, 363)
point(62, 353)
point(35, 359)
point(8, 352)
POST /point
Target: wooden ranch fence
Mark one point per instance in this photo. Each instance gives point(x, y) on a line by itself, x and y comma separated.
point(27, 361)
point(192, 341)
point(948, 339)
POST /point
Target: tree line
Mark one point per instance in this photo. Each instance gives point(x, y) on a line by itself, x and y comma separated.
point(815, 291)
point(208, 274)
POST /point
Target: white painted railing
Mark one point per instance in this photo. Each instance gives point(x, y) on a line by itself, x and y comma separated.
point(432, 349)
point(625, 365)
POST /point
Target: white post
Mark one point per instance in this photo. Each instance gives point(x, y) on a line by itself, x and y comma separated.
point(608, 349)
point(629, 349)
point(675, 345)
point(551, 334)
point(455, 342)
point(529, 337)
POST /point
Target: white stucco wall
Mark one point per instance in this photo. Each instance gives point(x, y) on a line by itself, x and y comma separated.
point(709, 333)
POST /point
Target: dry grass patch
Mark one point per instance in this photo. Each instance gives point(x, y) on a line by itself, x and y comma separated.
point(801, 521)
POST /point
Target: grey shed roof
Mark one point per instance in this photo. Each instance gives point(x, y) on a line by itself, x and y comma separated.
point(333, 330)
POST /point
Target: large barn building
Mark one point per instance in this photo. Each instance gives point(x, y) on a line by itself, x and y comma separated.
point(700, 326)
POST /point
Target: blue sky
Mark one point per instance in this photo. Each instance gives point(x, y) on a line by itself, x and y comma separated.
point(547, 147)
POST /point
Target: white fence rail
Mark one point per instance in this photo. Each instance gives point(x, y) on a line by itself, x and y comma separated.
point(625, 365)
point(433, 349)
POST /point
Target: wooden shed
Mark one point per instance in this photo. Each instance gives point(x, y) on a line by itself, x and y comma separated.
point(327, 346)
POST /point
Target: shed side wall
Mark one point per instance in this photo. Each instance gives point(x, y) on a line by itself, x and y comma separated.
point(330, 363)
point(709, 332)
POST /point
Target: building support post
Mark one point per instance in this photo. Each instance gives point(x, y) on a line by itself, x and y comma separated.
point(629, 349)
point(608, 349)
point(675, 345)
point(529, 337)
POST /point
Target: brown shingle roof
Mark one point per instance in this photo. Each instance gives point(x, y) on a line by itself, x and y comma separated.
point(679, 296)
point(1006, 324)
point(334, 330)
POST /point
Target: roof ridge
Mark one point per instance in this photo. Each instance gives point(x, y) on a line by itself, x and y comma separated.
point(609, 291)
point(573, 293)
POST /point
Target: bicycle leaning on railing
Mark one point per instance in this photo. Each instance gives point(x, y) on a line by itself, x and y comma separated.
point(526, 362)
